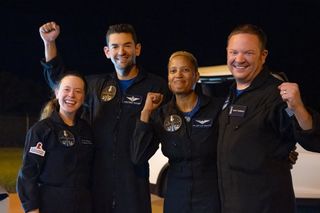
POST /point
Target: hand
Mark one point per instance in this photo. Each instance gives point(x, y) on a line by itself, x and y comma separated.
point(293, 157)
point(291, 95)
point(153, 101)
point(49, 32)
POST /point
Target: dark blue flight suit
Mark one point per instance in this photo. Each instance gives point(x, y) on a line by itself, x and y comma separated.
point(57, 163)
point(119, 186)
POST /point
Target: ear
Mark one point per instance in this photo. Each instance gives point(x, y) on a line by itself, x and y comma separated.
point(138, 49)
point(264, 55)
point(197, 76)
point(106, 51)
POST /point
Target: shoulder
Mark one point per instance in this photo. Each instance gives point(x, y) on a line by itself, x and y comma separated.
point(42, 126)
point(95, 78)
point(38, 133)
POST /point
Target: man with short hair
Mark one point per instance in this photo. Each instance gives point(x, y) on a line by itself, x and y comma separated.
point(114, 103)
point(261, 121)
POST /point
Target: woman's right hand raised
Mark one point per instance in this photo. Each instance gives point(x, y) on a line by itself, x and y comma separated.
point(153, 101)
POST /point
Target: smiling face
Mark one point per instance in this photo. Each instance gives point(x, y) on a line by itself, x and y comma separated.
point(182, 75)
point(245, 58)
point(122, 51)
point(70, 95)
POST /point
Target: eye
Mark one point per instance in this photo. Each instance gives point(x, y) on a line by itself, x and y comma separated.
point(114, 46)
point(232, 52)
point(78, 91)
point(172, 71)
point(250, 53)
point(186, 69)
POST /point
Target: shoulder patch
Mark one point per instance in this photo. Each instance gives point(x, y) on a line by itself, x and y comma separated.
point(38, 150)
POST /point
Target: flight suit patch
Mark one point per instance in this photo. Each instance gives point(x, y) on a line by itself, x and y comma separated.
point(66, 138)
point(108, 93)
point(202, 123)
point(132, 99)
point(237, 110)
point(172, 123)
point(38, 150)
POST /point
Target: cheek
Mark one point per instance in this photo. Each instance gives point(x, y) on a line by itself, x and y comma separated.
point(81, 99)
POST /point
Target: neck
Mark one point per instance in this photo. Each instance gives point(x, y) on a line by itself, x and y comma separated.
point(186, 102)
point(68, 118)
point(242, 85)
point(128, 74)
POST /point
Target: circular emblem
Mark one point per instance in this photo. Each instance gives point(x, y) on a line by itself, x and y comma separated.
point(66, 138)
point(172, 123)
point(108, 93)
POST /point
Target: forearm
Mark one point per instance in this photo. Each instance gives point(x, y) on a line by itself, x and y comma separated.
point(145, 115)
point(143, 143)
point(50, 49)
point(52, 70)
point(303, 117)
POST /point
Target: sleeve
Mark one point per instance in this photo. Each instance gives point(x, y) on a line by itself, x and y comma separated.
point(144, 143)
point(28, 176)
point(310, 139)
point(52, 70)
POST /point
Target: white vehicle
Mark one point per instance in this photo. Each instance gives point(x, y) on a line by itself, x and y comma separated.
point(215, 80)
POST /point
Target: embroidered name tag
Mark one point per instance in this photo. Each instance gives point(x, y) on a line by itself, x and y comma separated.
point(237, 110)
point(202, 123)
point(38, 150)
point(132, 99)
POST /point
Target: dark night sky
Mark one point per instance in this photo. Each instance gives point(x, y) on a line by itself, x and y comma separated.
point(163, 27)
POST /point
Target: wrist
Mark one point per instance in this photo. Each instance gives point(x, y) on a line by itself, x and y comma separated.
point(145, 115)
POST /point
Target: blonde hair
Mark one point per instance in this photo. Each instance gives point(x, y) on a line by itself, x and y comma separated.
point(53, 104)
point(48, 108)
point(186, 54)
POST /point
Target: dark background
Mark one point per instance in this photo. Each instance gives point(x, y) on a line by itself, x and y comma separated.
point(162, 27)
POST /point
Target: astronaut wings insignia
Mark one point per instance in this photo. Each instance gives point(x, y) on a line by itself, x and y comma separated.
point(202, 123)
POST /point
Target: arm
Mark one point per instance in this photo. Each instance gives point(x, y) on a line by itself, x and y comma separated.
point(144, 144)
point(308, 130)
point(49, 33)
point(52, 65)
point(27, 182)
point(291, 95)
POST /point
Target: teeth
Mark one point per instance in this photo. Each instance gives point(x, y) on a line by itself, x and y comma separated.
point(70, 102)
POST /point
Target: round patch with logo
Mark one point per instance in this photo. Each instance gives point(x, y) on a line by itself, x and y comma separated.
point(66, 138)
point(108, 93)
point(172, 123)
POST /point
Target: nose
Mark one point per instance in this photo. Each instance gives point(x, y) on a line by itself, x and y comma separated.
point(71, 93)
point(121, 50)
point(240, 58)
point(178, 73)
